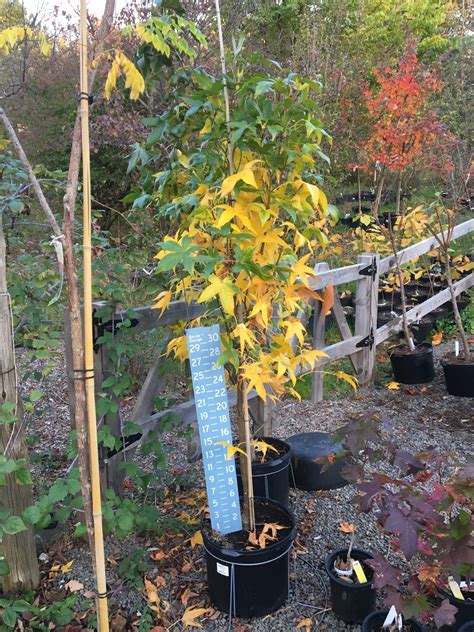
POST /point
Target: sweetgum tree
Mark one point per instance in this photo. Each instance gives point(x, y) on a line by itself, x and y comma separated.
point(243, 242)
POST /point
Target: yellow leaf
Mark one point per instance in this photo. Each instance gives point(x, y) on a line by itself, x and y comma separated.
point(246, 174)
point(162, 301)
point(207, 128)
point(301, 270)
point(245, 335)
point(67, 567)
point(151, 591)
point(294, 328)
point(223, 289)
point(306, 624)
point(365, 219)
point(262, 308)
point(231, 449)
point(196, 539)
point(263, 447)
point(183, 159)
point(191, 614)
point(347, 378)
point(393, 386)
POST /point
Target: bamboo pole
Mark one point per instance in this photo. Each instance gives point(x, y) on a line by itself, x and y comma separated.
point(102, 606)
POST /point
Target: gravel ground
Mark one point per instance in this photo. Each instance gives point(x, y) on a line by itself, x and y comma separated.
point(421, 417)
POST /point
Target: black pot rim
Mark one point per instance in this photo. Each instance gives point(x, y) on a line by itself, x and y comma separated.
point(266, 469)
point(331, 558)
point(464, 364)
point(466, 603)
point(376, 613)
point(288, 539)
point(426, 346)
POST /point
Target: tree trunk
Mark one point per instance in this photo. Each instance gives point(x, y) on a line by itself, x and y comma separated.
point(406, 330)
point(18, 550)
point(457, 315)
point(243, 422)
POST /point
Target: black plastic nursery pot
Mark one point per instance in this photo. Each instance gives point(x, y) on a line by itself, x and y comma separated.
point(467, 627)
point(250, 583)
point(413, 367)
point(465, 613)
point(459, 376)
point(373, 622)
point(350, 602)
point(311, 470)
point(271, 479)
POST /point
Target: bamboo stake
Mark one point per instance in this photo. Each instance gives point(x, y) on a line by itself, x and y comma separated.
point(102, 606)
point(224, 81)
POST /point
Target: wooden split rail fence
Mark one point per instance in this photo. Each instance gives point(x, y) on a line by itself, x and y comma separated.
point(358, 345)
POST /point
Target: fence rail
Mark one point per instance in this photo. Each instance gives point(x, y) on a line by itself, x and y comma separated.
point(359, 346)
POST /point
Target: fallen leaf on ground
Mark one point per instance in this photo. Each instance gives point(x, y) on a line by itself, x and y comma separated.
point(306, 624)
point(196, 539)
point(437, 338)
point(346, 527)
point(73, 585)
point(191, 614)
point(393, 386)
point(186, 596)
point(67, 567)
point(158, 555)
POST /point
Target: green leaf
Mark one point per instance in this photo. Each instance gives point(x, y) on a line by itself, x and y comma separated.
point(9, 617)
point(57, 492)
point(126, 521)
point(21, 605)
point(13, 524)
point(31, 515)
point(23, 477)
point(36, 395)
point(80, 530)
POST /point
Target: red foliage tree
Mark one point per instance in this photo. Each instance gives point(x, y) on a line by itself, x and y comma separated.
point(403, 130)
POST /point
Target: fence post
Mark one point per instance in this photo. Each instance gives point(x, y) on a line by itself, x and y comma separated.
point(319, 322)
point(366, 314)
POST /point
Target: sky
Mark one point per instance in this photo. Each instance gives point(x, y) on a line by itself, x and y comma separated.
point(70, 6)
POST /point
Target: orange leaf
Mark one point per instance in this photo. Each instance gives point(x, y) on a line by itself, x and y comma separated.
point(437, 338)
point(346, 527)
point(306, 624)
point(328, 299)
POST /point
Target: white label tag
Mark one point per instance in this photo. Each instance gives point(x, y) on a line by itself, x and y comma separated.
point(222, 569)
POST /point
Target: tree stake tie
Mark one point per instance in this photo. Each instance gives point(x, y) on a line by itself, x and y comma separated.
point(58, 247)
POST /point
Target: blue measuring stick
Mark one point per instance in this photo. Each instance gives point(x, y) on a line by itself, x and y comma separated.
point(212, 410)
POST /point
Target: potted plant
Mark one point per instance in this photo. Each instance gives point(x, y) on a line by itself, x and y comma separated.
point(350, 579)
point(251, 216)
point(458, 367)
point(404, 132)
point(270, 469)
point(429, 516)
point(389, 621)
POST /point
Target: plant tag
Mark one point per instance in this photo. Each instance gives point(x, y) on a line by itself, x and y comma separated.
point(222, 569)
point(359, 571)
point(456, 348)
point(390, 618)
point(212, 411)
point(455, 588)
